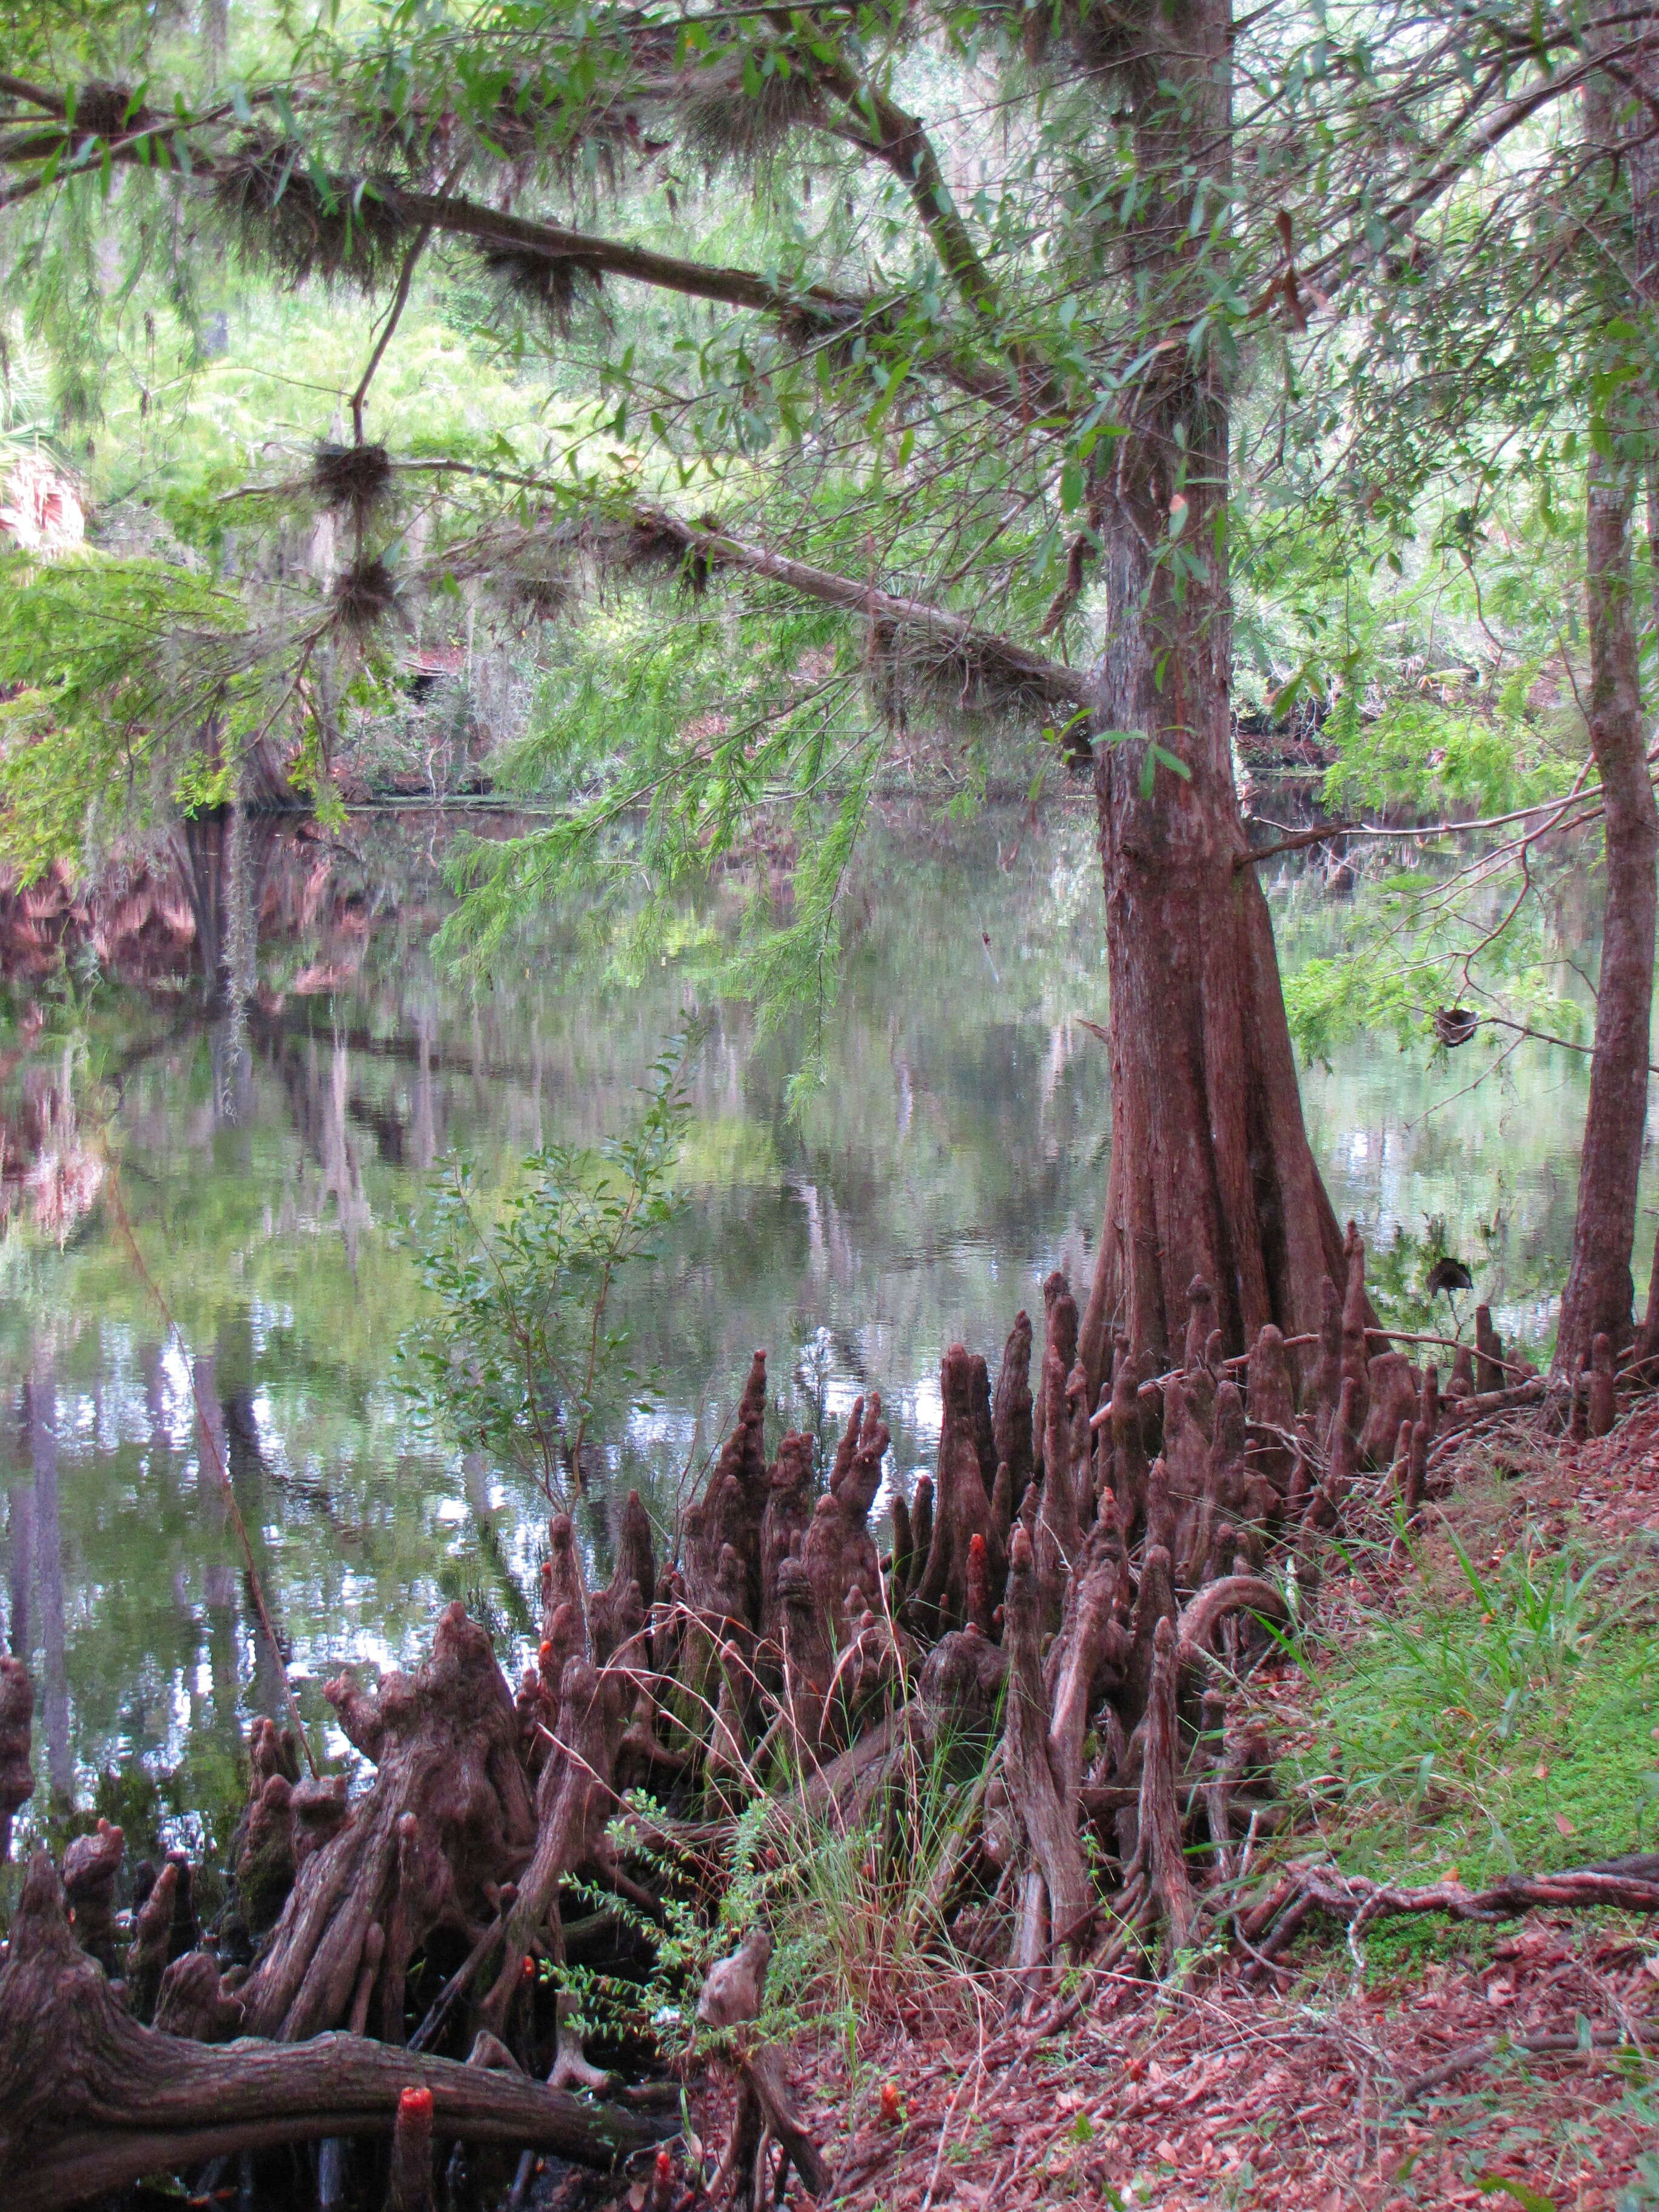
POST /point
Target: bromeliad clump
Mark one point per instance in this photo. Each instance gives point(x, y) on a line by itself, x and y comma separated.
point(364, 595)
point(351, 479)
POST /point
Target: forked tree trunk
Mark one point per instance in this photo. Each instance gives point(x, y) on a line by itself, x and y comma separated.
point(1599, 1292)
point(1211, 1170)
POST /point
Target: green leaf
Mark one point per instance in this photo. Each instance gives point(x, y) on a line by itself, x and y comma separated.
point(1160, 756)
point(1529, 2200)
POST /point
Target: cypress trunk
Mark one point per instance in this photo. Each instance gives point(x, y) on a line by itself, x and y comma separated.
point(1211, 1170)
point(1599, 1294)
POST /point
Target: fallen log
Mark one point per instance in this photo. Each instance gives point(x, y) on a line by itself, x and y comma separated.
point(91, 2100)
point(1629, 1884)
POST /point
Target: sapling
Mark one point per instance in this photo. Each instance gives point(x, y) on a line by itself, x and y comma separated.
point(525, 1354)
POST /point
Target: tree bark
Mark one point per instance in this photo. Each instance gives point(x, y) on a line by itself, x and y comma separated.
point(90, 2100)
point(449, 1810)
point(16, 1768)
point(1211, 1170)
point(1600, 1293)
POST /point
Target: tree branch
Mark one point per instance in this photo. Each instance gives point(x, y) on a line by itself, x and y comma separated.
point(1296, 842)
point(814, 310)
point(815, 305)
point(1411, 203)
point(394, 315)
point(901, 143)
point(981, 651)
point(17, 88)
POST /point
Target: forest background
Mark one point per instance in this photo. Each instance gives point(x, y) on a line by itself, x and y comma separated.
point(1410, 298)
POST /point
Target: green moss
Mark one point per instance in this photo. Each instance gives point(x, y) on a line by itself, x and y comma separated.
point(1398, 1951)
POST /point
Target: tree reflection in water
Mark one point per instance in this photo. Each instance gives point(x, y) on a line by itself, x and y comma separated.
point(273, 1137)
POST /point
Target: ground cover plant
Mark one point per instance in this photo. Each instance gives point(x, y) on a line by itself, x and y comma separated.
point(1489, 1714)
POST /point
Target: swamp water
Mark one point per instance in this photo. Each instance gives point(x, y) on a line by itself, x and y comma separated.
point(952, 1153)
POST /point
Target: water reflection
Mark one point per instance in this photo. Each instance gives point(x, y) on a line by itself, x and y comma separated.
point(270, 1149)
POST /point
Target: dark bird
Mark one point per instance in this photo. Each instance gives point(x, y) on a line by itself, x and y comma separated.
point(1447, 1274)
point(1455, 1025)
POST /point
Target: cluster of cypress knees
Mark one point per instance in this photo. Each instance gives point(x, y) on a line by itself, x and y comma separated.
point(1055, 1617)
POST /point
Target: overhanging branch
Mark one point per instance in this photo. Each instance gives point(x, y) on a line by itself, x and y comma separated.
point(257, 185)
point(984, 657)
point(817, 306)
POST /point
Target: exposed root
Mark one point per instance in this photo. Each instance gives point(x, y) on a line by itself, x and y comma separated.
point(91, 2100)
point(766, 2115)
point(1054, 1633)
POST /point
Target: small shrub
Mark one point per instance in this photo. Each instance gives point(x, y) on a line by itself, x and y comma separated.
point(525, 1355)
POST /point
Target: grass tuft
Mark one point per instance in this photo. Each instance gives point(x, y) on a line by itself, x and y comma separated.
point(1491, 1717)
point(854, 1907)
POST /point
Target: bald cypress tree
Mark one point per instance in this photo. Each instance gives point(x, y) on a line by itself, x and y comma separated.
point(899, 353)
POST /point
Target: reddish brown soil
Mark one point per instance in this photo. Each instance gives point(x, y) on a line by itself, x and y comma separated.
point(1222, 2097)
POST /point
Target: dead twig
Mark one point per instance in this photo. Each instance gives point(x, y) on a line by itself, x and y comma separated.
point(1558, 2044)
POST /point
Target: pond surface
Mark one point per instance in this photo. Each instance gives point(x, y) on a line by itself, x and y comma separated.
point(952, 1153)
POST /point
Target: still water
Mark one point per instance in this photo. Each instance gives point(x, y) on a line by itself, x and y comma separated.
point(952, 1152)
